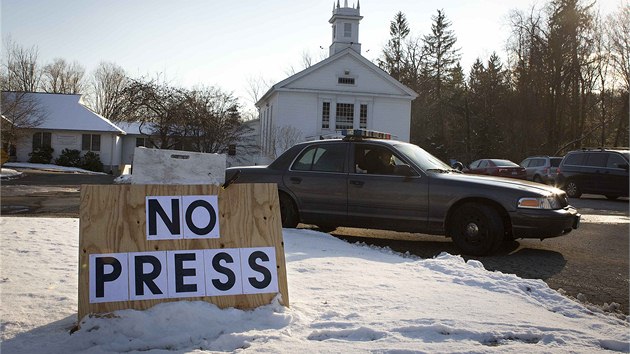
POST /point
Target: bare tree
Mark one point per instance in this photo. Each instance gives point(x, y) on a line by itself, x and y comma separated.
point(20, 70)
point(618, 34)
point(62, 77)
point(213, 119)
point(107, 91)
point(20, 112)
point(282, 138)
point(160, 110)
point(257, 86)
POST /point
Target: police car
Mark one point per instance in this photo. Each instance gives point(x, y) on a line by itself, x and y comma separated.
point(368, 180)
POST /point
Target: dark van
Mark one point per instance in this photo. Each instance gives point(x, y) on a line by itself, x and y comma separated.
point(595, 171)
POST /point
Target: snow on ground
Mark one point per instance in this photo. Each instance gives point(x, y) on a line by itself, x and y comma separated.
point(7, 173)
point(47, 167)
point(344, 298)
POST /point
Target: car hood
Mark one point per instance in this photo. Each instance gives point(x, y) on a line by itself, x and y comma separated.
point(488, 182)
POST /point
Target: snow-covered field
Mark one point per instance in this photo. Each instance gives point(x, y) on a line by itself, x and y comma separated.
point(344, 298)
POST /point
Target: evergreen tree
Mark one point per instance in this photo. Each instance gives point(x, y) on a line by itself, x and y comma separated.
point(394, 51)
point(441, 57)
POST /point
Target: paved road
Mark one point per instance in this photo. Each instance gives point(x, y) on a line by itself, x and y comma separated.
point(591, 261)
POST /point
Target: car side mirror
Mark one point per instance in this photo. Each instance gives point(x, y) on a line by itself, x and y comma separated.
point(403, 170)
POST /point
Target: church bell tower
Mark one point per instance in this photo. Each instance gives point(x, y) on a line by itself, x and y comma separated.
point(345, 28)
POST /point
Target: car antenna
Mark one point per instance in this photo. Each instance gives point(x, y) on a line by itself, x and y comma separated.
point(231, 180)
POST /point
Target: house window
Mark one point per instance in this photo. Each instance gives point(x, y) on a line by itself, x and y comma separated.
point(141, 142)
point(41, 139)
point(363, 116)
point(91, 142)
point(326, 115)
point(347, 30)
point(345, 116)
point(345, 80)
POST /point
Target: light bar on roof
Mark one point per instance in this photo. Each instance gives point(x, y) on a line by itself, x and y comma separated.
point(364, 133)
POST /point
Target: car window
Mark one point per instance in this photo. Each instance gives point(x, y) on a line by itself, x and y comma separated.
point(596, 159)
point(555, 162)
point(525, 163)
point(575, 159)
point(374, 159)
point(504, 163)
point(322, 158)
point(474, 164)
point(616, 161)
point(483, 163)
point(540, 162)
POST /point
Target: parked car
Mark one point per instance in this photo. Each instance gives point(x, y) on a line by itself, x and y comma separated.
point(365, 181)
point(496, 167)
point(595, 171)
point(542, 169)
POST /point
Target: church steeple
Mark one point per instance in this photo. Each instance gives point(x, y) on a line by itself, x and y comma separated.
point(345, 24)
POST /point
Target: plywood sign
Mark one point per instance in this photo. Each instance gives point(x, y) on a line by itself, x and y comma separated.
point(145, 244)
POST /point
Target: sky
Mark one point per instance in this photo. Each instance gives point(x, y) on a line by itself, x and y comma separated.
point(226, 43)
point(345, 298)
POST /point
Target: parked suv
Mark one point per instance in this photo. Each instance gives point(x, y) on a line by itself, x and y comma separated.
point(595, 171)
point(541, 169)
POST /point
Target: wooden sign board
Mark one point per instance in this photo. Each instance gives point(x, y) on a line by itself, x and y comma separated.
point(194, 242)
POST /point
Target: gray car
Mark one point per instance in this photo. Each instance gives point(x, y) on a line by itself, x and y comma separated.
point(393, 185)
point(542, 169)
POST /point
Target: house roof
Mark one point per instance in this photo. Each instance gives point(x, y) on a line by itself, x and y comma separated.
point(131, 128)
point(67, 112)
point(347, 52)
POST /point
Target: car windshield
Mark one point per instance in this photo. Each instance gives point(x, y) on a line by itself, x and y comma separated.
point(421, 158)
point(504, 163)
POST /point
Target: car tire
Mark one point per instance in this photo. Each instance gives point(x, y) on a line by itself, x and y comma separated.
point(288, 212)
point(476, 229)
point(572, 189)
point(537, 179)
point(326, 228)
point(612, 197)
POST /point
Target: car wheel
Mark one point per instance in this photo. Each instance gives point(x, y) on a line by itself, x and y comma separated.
point(612, 197)
point(538, 179)
point(326, 228)
point(288, 212)
point(476, 229)
point(572, 189)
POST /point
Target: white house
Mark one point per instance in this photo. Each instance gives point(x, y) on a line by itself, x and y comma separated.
point(68, 124)
point(343, 91)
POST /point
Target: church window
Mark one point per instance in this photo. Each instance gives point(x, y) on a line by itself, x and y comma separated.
point(326, 115)
point(334, 30)
point(345, 116)
point(363, 113)
point(347, 30)
point(345, 80)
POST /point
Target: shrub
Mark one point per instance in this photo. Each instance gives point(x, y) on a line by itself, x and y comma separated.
point(91, 161)
point(41, 155)
point(69, 158)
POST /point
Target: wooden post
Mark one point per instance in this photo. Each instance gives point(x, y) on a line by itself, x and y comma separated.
point(113, 220)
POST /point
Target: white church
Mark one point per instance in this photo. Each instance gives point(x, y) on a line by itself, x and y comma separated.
point(343, 91)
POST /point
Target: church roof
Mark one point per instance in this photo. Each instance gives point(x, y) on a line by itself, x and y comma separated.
point(284, 84)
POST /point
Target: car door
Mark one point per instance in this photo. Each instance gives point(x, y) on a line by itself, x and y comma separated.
point(616, 175)
point(391, 201)
point(594, 180)
point(317, 179)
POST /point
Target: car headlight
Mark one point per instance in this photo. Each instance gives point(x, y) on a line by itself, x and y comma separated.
point(548, 202)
